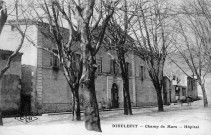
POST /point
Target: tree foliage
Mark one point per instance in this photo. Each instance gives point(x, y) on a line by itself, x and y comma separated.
point(153, 39)
point(193, 40)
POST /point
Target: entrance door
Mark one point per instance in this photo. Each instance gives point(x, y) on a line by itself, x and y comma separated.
point(25, 105)
point(114, 96)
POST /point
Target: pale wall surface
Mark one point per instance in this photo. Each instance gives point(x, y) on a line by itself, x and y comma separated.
point(10, 40)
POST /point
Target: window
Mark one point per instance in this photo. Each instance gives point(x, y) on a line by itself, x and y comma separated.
point(129, 67)
point(13, 28)
point(4, 56)
point(174, 82)
point(75, 64)
point(174, 78)
point(99, 65)
point(112, 66)
point(142, 72)
point(77, 61)
point(118, 70)
point(177, 90)
point(190, 84)
point(54, 59)
point(183, 92)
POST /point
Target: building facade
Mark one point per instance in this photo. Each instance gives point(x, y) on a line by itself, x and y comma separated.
point(46, 88)
point(109, 84)
point(186, 89)
point(54, 95)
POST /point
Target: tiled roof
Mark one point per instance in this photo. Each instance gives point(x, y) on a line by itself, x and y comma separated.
point(6, 50)
point(9, 51)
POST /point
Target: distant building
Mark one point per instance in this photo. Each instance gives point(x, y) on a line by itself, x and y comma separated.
point(10, 87)
point(192, 89)
point(181, 89)
point(178, 91)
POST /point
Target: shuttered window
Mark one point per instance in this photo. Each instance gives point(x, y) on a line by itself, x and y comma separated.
point(55, 59)
point(111, 66)
point(118, 69)
point(99, 65)
point(129, 67)
point(114, 67)
point(76, 62)
point(142, 72)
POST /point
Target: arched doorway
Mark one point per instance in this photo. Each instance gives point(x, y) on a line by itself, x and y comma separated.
point(114, 96)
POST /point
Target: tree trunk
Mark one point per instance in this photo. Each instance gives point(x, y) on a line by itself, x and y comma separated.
point(204, 95)
point(3, 19)
point(91, 112)
point(1, 121)
point(3, 16)
point(73, 108)
point(155, 69)
point(127, 102)
point(159, 99)
point(77, 109)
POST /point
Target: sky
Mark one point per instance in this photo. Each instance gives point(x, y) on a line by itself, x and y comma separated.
point(10, 41)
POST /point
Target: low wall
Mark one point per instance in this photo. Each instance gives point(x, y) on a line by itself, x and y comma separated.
point(10, 95)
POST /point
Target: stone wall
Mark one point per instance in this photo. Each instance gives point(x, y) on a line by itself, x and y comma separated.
point(53, 92)
point(56, 91)
point(10, 95)
point(145, 91)
point(10, 88)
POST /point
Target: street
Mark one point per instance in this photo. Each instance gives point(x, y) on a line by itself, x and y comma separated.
point(176, 119)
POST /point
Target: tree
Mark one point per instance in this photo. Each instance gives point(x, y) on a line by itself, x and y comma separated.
point(3, 15)
point(71, 64)
point(83, 13)
point(193, 40)
point(65, 51)
point(118, 41)
point(80, 17)
point(3, 19)
point(152, 33)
